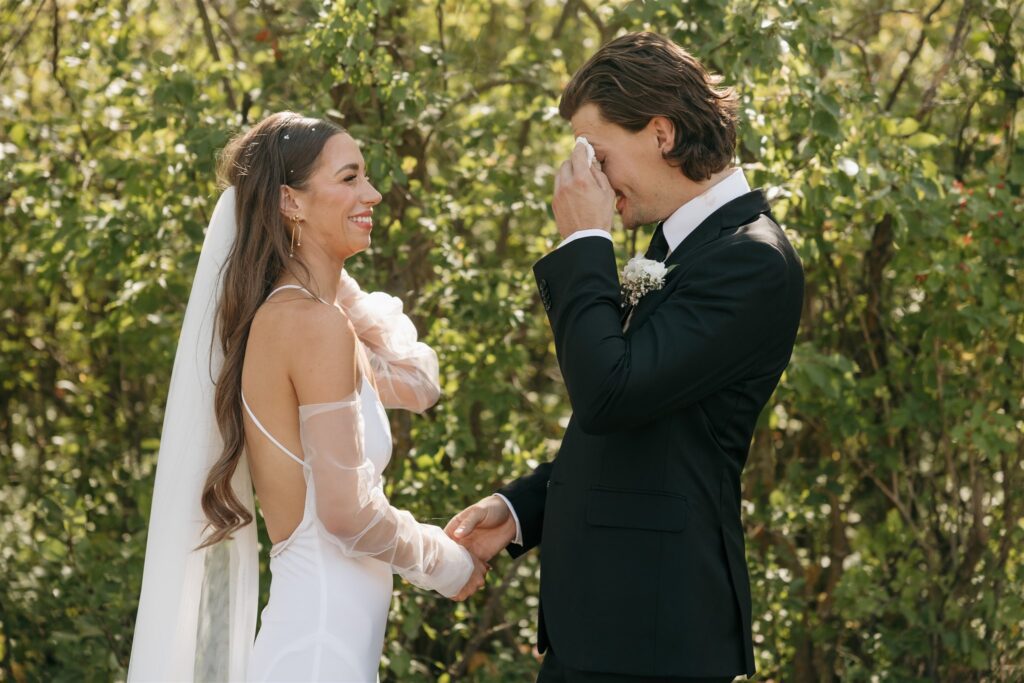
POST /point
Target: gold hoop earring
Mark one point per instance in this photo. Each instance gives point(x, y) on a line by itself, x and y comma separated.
point(296, 223)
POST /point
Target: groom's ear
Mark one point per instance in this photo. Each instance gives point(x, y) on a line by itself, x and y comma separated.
point(664, 133)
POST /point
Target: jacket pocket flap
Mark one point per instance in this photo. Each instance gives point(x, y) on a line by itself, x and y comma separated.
point(636, 509)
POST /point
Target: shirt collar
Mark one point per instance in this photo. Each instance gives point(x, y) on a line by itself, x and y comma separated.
point(687, 217)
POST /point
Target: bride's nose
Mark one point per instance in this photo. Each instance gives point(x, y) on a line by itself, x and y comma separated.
point(371, 197)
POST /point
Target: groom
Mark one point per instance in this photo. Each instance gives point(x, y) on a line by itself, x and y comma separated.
point(638, 516)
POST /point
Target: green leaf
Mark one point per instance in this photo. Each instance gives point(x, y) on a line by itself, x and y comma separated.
point(825, 123)
point(923, 140)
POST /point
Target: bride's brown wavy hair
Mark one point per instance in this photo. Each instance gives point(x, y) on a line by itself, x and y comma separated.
point(282, 149)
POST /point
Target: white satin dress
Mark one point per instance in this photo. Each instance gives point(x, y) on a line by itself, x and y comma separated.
point(331, 580)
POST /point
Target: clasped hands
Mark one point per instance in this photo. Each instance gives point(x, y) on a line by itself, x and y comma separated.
point(483, 529)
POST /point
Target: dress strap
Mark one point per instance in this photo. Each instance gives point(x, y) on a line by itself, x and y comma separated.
point(269, 435)
point(298, 287)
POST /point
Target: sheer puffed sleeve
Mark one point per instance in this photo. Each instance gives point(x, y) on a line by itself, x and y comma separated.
point(404, 368)
point(351, 506)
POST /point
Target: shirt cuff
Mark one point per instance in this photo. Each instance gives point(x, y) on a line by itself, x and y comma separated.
point(594, 232)
point(518, 540)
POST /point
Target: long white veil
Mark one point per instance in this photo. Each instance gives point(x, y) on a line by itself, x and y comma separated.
point(197, 609)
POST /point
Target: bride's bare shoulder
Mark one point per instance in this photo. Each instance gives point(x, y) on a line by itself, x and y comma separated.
point(313, 342)
point(295, 321)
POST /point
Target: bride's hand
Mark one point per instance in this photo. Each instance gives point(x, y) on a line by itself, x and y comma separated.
point(476, 580)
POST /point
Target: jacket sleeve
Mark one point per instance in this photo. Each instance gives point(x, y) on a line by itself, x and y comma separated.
point(701, 337)
point(527, 495)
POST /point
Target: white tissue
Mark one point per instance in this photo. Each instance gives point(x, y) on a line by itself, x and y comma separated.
point(591, 155)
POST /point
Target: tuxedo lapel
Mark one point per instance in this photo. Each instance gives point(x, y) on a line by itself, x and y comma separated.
point(739, 211)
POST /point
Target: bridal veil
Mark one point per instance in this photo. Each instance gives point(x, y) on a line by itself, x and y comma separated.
point(197, 609)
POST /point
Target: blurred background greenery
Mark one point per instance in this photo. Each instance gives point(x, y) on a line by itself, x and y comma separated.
point(882, 495)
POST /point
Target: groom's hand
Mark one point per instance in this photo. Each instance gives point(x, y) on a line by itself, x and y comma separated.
point(483, 528)
point(584, 199)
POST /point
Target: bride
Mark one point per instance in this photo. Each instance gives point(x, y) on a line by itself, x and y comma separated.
point(283, 370)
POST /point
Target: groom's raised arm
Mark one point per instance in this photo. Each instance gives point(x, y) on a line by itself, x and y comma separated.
point(702, 337)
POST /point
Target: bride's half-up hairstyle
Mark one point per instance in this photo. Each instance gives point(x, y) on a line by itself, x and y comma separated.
point(282, 149)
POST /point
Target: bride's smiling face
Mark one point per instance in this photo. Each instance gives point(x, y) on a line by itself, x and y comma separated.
point(336, 204)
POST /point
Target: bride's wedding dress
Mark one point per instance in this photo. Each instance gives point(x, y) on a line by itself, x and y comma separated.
point(331, 580)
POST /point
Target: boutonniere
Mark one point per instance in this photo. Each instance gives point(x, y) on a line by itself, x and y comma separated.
point(641, 276)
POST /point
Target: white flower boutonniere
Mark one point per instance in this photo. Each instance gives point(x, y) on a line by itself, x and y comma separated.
point(641, 276)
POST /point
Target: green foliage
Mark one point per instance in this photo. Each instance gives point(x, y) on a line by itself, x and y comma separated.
point(884, 531)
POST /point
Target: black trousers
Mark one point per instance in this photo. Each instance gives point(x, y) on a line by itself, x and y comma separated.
point(552, 671)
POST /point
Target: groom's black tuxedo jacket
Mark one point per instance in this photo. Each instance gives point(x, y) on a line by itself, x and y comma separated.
point(638, 516)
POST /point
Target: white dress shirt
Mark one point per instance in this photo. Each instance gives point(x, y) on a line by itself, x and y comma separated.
point(590, 232)
point(687, 217)
point(678, 227)
point(518, 540)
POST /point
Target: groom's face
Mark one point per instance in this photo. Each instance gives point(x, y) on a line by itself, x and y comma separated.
point(633, 163)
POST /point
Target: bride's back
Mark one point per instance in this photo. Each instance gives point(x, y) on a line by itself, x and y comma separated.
point(280, 332)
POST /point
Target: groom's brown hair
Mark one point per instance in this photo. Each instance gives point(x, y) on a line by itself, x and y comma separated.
point(638, 76)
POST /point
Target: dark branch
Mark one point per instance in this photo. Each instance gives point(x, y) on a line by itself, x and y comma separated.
point(913, 55)
point(228, 30)
point(439, 11)
point(928, 99)
point(211, 43)
point(568, 10)
point(17, 42)
point(596, 20)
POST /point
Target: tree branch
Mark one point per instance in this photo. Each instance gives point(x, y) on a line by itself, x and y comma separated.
point(17, 42)
point(227, 29)
point(484, 629)
point(55, 66)
point(868, 16)
point(928, 99)
point(474, 93)
point(602, 28)
point(875, 260)
point(568, 10)
point(439, 12)
point(870, 77)
point(211, 43)
point(913, 56)
point(963, 149)
point(889, 493)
